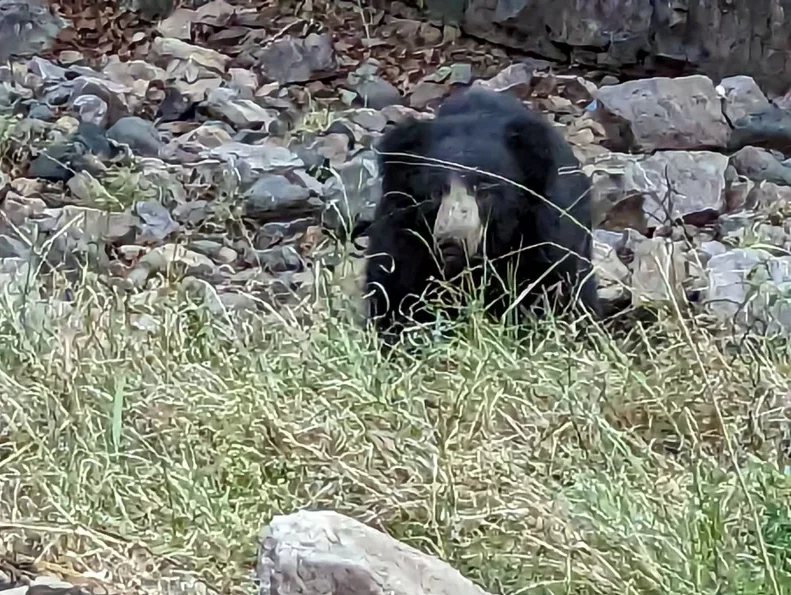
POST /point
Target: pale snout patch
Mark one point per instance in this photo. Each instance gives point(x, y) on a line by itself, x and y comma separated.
point(458, 219)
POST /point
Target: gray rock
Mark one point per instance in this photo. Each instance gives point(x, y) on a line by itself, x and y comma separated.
point(748, 289)
point(370, 119)
point(355, 195)
point(91, 108)
point(310, 550)
point(27, 28)
point(266, 157)
point(770, 128)
point(112, 94)
point(46, 70)
point(767, 196)
point(168, 259)
point(515, 79)
point(375, 92)
point(165, 49)
point(244, 81)
point(760, 165)
point(426, 94)
point(242, 113)
point(276, 232)
point(214, 250)
point(612, 275)
point(276, 197)
point(659, 272)
point(40, 111)
point(280, 259)
point(156, 224)
point(663, 113)
point(660, 188)
point(141, 135)
point(743, 97)
point(294, 60)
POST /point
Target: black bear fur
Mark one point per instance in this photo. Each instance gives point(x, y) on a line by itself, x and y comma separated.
point(491, 133)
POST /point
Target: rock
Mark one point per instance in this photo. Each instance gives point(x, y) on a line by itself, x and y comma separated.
point(636, 188)
point(244, 82)
point(355, 195)
point(515, 79)
point(770, 128)
point(167, 259)
point(743, 97)
point(112, 94)
point(768, 197)
point(663, 113)
point(165, 49)
point(374, 91)
point(261, 158)
point(279, 259)
point(276, 197)
point(46, 70)
point(612, 274)
point(459, 73)
point(215, 250)
point(746, 288)
point(140, 135)
point(276, 232)
point(156, 224)
point(658, 272)
point(135, 74)
point(369, 119)
point(760, 165)
point(294, 60)
point(426, 94)
point(27, 28)
point(737, 193)
point(88, 190)
point(242, 113)
point(152, 10)
point(310, 550)
point(90, 109)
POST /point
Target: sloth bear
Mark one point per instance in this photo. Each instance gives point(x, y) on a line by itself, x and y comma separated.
point(486, 177)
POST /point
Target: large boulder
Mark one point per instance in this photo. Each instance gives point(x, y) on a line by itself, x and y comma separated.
point(321, 552)
point(716, 38)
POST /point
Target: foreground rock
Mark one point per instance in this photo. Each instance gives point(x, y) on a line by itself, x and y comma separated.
point(323, 552)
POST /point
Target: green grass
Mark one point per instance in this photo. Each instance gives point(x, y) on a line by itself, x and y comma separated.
point(643, 465)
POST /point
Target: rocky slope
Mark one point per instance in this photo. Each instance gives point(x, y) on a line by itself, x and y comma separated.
point(229, 142)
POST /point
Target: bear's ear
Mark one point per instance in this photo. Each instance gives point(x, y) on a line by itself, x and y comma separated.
point(408, 136)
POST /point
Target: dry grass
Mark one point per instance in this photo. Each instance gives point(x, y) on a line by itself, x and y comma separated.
point(542, 466)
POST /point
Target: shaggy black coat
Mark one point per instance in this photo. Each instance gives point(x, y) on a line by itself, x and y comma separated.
point(500, 142)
